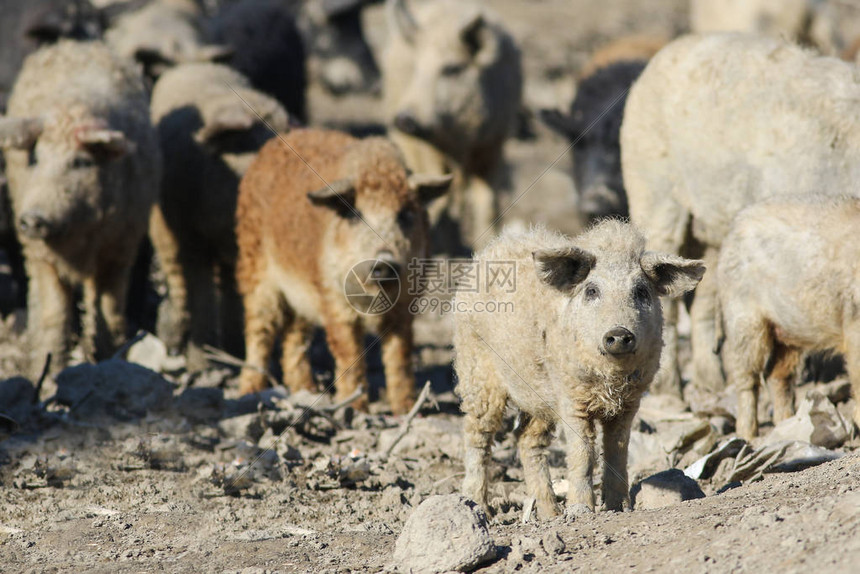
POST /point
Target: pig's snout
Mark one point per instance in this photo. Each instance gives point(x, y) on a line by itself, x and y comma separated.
point(34, 225)
point(600, 200)
point(619, 341)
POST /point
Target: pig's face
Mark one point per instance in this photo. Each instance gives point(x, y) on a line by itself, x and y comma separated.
point(445, 102)
point(608, 319)
point(597, 172)
point(381, 221)
point(64, 181)
point(593, 127)
point(339, 50)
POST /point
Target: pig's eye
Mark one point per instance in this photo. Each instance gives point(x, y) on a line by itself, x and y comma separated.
point(641, 293)
point(591, 292)
point(453, 69)
point(406, 218)
point(81, 162)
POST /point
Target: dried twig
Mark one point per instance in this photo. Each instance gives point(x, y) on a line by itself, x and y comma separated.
point(345, 402)
point(407, 422)
point(120, 353)
point(225, 358)
point(528, 508)
point(442, 481)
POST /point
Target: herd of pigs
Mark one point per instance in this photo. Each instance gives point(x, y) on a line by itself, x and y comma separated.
point(735, 155)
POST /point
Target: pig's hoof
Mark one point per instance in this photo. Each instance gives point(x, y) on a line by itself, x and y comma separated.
point(574, 510)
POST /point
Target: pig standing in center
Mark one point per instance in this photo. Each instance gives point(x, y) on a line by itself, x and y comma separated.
point(315, 208)
point(580, 342)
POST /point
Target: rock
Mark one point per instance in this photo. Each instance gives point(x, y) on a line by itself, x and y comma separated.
point(250, 403)
point(149, 352)
point(664, 489)
point(552, 543)
point(444, 533)
point(659, 407)
point(113, 388)
point(426, 437)
point(200, 405)
point(679, 436)
point(784, 456)
point(17, 396)
point(706, 466)
point(243, 426)
point(817, 422)
point(722, 424)
point(645, 453)
point(837, 391)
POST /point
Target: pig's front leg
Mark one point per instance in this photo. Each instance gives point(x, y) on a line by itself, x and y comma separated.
point(346, 343)
point(113, 293)
point(534, 438)
point(397, 361)
point(90, 319)
point(49, 304)
point(616, 438)
point(579, 433)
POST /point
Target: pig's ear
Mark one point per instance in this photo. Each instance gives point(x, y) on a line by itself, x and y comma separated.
point(672, 275)
point(401, 20)
point(430, 187)
point(476, 36)
point(563, 268)
point(154, 62)
point(338, 195)
point(224, 120)
point(20, 133)
point(104, 144)
point(560, 122)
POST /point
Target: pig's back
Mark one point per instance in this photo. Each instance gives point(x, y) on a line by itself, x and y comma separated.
point(273, 210)
point(83, 73)
point(795, 260)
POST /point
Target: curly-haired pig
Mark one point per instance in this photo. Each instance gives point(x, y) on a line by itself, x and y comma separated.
point(575, 339)
point(452, 87)
point(321, 215)
point(84, 165)
point(788, 282)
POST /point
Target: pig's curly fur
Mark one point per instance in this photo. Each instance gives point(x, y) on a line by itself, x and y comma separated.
point(72, 85)
point(718, 122)
point(516, 356)
point(294, 256)
point(804, 250)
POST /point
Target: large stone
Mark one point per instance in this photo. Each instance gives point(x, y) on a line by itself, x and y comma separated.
point(17, 396)
point(664, 489)
point(113, 388)
point(444, 533)
point(817, 422)
point(200, 405)
point(151, 352)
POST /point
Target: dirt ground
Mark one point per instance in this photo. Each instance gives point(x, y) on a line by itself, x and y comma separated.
point(208, 481)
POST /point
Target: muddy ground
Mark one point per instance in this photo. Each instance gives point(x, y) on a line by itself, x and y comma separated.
point(206, 481)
